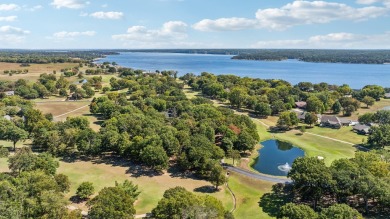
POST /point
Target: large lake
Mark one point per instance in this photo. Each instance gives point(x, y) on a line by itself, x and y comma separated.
point(294, 71)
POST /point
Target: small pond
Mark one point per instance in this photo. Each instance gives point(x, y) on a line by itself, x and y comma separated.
point(276, 157)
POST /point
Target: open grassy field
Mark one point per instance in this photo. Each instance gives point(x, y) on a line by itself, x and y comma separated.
point(344, 134)
point(34, 70)
point(377, 106)
point(3, 165)
point(248, 193)
point(151, 187)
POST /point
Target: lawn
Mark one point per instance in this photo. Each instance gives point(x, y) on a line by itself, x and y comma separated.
point(317, 146)
point(248, 193)
point(344, 134)
point(151, 187)
point(377, 106)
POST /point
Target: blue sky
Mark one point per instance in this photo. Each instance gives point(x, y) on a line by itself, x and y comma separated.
point(134, 24)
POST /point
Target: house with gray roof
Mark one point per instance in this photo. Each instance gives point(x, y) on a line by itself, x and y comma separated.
point(330, 121)
point(362, 129)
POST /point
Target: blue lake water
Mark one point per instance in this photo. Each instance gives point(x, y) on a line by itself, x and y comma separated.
point(274, 155)
point(293, 71)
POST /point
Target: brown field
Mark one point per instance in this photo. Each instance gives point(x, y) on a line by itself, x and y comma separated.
point(34, 70)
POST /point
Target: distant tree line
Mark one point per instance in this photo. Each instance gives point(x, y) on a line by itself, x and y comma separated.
point(327, 56)
point(47, 56)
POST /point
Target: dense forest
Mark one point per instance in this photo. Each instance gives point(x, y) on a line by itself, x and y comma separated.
point(330, 56)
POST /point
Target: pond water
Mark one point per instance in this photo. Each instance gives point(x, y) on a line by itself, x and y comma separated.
point(276, 157)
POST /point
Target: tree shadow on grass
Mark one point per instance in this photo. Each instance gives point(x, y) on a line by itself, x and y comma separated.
point(76, 199)
point(138, 171)
point(273, 201)
point(206, 189)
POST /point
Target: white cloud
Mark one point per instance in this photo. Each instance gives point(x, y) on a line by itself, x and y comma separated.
point(292, 14)
point(332, 41)
point(225, 24)
point(35, 8)
point(12, 35)
point(370, 2)
point(9, 7)
point(72, 35)
point(72, 4)
point(9, 18)
point(113, 15)
point(170, 31)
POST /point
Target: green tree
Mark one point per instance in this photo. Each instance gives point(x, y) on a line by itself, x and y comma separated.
point(237, 96)
point(311, 177)
point(336, 107)
point(380, 136)
point(315, 105)
point(10, 132)
point(179, 203)
point(263, 109)
point(23, 160)
point(245, 142)
point(62, 182)
point(85, 190)
point(47, 163)
point(311, 118)
point(340, 211)
point(369, 101)
point(154, 157)
point(367, 118)
point(297, 211)
point(129, 188)
point(284, 121)
point(217, 176)
point(113, 203)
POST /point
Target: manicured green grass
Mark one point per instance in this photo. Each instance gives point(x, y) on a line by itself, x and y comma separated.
point(344, 134)
point(152, 187)
point(248, 193)
point(317, 146)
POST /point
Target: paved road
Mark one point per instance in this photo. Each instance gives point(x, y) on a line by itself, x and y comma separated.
point(257, 175)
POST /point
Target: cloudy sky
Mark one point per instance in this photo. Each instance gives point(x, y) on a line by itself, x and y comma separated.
point(100, 24)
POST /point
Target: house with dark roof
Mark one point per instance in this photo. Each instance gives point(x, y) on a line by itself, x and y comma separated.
point(387, 95)
point(330, 121)
point(362, 129)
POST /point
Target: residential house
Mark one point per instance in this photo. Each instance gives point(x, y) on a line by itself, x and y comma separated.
point(362, 129)
point(387, 95)
point(330, 121)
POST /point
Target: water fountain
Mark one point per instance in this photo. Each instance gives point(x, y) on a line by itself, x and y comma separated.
point(285, 167)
